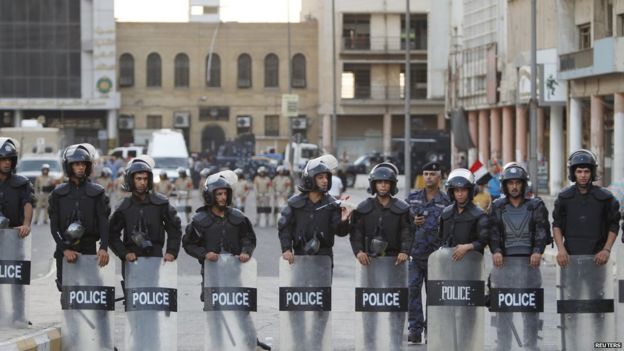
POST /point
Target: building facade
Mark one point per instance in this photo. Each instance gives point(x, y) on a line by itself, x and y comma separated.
point(57, 65)
point(216, 81)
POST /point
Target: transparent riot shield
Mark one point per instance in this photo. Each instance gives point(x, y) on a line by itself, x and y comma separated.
point(151, 304)
point(88, 302)
point(619, 288)
point(585, 303)
point(455, 300)
point(305, 303)
point(14, 278)
point(381, 298)
point(517, 305)
point(229, 297)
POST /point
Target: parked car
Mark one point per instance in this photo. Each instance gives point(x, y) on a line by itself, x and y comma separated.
point(364, 164)
point(29, 166)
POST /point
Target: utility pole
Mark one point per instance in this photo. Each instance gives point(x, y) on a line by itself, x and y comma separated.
point(533, 101)
point(334, 118)
point(407, 95)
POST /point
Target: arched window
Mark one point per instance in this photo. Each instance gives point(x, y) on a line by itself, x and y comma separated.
point(213, 69)
point(298, 79)
point(271, 71)
point(244, 71)
point(181, 73)
point(154, 70)
point(126, 70)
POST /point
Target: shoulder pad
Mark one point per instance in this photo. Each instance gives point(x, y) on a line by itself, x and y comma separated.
point(535, 203)
point(447, 212)
point(500, 202)
point(158, 199)
point(202, 219)
point(62, 189)
point(236, 216)
point(567, 192)
point(125, 203)
point(476, 211)
point(399, 206)
point(601, 194)
point(297, 201)
point(365, 206)
point(93, 189)
point(17, 181)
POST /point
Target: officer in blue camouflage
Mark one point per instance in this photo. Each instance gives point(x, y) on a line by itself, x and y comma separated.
point(426, 206)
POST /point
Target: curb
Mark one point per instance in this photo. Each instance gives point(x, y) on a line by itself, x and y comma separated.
point(48, 339)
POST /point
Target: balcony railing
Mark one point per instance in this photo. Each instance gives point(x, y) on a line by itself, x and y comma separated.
point(381, 44)
point(381, 92)
point(576, 60)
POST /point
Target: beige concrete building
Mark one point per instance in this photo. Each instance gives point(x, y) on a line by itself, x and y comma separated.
point(215, 81)
point(370, 60)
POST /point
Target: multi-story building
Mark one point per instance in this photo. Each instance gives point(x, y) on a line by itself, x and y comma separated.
point(369, 45)
point(215, 81)
point(57, 65)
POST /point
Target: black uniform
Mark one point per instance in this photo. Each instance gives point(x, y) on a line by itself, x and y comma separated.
point(302, 219)
point(154, 215)
point(468, 227)
point(15, 192)
point(208, 232)
point(87, 203)
point(392, 223)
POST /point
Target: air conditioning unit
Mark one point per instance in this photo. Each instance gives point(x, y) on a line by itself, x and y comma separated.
point(181, 119)
point(126, 122)
point(299, 123)
point(243, 122)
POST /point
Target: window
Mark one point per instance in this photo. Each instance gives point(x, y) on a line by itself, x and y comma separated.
point(244, 71)
point(584, 36)
point(181, 74)
point(298, 71)
point(154, 121)
point(154, 72)
point(214, 113)
point(620, 24)
point(271, 125)
point(418, 32)
point(126, 70)
point(356, 81)
point(213, 71)
point(271, 71)
point(356, 32)
point(418, 81)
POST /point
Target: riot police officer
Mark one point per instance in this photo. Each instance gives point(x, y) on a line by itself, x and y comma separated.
point(44, 184)
point(586, 216)
point(164, 185)
point(144, 217)
point(16, 192)
point(78, 212)
point(183, 186)
point(463, 225)
point(519, 228)
point(263, 187)
point(426, 206)
point(282, 184)
point(311, 218)
point(240, 190)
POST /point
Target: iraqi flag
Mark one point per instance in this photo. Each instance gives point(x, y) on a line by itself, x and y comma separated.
point(481, 173)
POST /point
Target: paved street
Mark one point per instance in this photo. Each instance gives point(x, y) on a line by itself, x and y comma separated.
point(45, 309)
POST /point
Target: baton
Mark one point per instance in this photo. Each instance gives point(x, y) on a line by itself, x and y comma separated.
point(515, 333)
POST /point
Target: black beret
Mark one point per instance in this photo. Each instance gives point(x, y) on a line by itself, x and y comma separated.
point(431, 166)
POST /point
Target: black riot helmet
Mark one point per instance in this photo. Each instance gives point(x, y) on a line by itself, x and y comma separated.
point(314, 167)
point(460, 178)
point(77, 153)
point(8, 150)
point(383, 171)
point(584, 158)
point(137, 166)
point(513, 170)
point(221, 180)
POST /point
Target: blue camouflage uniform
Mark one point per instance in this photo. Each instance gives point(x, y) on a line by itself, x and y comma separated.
point(425, 242)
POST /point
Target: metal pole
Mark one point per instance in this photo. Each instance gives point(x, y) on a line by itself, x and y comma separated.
point(289, 58)
point(407, 96)
point(334, 118)
point(533, 101)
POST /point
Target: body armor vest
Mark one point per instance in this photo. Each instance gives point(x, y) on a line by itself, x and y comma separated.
point(584, 227)
point(517, 225)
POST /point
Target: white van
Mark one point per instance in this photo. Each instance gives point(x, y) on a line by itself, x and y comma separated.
point(300, 153)
point(168, 149)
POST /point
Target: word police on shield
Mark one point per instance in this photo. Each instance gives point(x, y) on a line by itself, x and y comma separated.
point(230, 299)
point(15, 272)
point(152, 299)
point(517, 300)
point(305, 299)
point(88, 298)
point(381, 299)
point(456, 293)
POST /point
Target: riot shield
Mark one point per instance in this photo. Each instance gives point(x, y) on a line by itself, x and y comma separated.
point(14, 278)
point(305, 303)
point(229, 296)
point(151, 304)
point(455, 300)
point(517, 304)
point(619, 293)
point(381, 295)
point(585, 303)
point(88, 302)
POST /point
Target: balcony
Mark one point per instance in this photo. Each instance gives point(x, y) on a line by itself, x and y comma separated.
point(602, 59)
point(366, 45)
point(382, 93)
